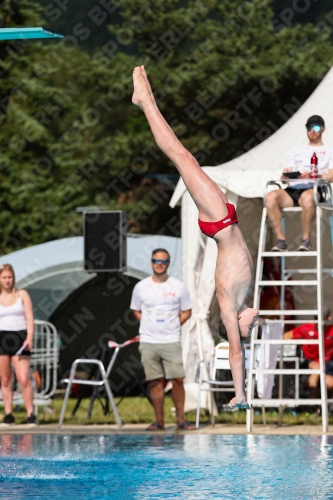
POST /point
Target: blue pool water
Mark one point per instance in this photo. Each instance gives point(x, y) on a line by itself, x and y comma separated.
point(160, 467)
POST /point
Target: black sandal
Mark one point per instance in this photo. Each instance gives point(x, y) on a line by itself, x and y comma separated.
point(186, 426)
point(155, 426)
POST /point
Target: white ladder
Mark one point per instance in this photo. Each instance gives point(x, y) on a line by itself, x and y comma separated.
point(318, 312)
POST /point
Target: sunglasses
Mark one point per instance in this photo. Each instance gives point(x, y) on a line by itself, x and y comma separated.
point(316, 128)
point(160, 261)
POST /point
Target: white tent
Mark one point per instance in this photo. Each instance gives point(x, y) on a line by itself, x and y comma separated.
point(243, 180)
point(52, 271)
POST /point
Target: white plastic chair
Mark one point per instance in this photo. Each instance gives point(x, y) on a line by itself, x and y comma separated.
point(221, 362)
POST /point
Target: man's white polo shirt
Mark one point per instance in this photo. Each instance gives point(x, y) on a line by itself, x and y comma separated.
point(160, 304)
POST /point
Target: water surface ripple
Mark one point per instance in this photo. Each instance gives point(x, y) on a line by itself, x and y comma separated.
point(192, 466)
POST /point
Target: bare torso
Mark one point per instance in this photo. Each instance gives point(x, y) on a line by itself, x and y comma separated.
point(234, 267)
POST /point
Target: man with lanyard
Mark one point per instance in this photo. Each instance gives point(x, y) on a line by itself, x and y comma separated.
point(162, 304)
point(311, 351)
point(300, 192)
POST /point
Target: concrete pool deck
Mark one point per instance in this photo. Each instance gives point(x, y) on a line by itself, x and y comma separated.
point(170, 429)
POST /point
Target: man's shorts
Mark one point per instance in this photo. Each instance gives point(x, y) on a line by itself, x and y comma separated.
point(328, 366)
point(162, 360)
point(295, 194)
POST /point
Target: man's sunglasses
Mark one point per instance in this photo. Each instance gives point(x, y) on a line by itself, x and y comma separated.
point(160, 261)
point(316, 128)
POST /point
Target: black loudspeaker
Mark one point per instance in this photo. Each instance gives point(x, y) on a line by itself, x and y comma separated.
point(104, 241)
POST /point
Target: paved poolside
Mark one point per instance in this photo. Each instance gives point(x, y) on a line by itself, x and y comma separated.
point(170, 429)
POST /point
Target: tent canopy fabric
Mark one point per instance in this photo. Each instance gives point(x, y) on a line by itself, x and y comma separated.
point(53, 270)
point(248, 174)
point(26, 33)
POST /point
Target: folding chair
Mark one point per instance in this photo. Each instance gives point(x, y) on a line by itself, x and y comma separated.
point(221, 362)
point(104, 378)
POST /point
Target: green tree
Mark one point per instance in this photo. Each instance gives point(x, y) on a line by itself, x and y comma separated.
point(54, 145)
point(221, 72)
point(290, 13)
point(224, 76)
point(86, 21)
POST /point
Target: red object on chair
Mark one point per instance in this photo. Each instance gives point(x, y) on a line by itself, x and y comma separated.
point(113, 344)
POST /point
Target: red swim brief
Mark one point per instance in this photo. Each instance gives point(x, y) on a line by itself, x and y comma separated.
point(211, 228)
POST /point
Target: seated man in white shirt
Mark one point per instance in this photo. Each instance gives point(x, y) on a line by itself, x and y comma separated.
point(300, 193)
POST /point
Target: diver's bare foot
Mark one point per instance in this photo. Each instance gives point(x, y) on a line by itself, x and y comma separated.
point(141, 95)
point(148, 83)
point(241, 404)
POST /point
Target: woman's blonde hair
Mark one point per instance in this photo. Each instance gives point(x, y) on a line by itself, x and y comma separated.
point(8, 267)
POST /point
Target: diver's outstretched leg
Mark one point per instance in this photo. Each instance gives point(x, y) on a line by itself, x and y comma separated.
point(208, 197)
point(229, 331)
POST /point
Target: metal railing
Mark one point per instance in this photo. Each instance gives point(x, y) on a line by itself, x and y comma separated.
point(323, 188)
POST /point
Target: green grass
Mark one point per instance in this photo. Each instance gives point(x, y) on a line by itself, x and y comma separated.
point(137, 410)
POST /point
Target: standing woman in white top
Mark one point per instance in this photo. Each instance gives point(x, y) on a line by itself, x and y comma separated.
point(16, 337)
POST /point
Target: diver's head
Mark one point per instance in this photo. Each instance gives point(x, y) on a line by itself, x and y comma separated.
point(247, 320)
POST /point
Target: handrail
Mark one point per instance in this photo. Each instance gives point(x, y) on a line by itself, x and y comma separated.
point(315, 194)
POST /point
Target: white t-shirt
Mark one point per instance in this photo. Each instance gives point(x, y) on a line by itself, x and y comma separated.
point(299, 157)
point(160, 304)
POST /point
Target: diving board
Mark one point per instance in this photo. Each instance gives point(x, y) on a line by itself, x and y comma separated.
point(26, 33)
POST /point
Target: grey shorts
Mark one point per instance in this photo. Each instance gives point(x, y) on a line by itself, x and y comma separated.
point(162, 360)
